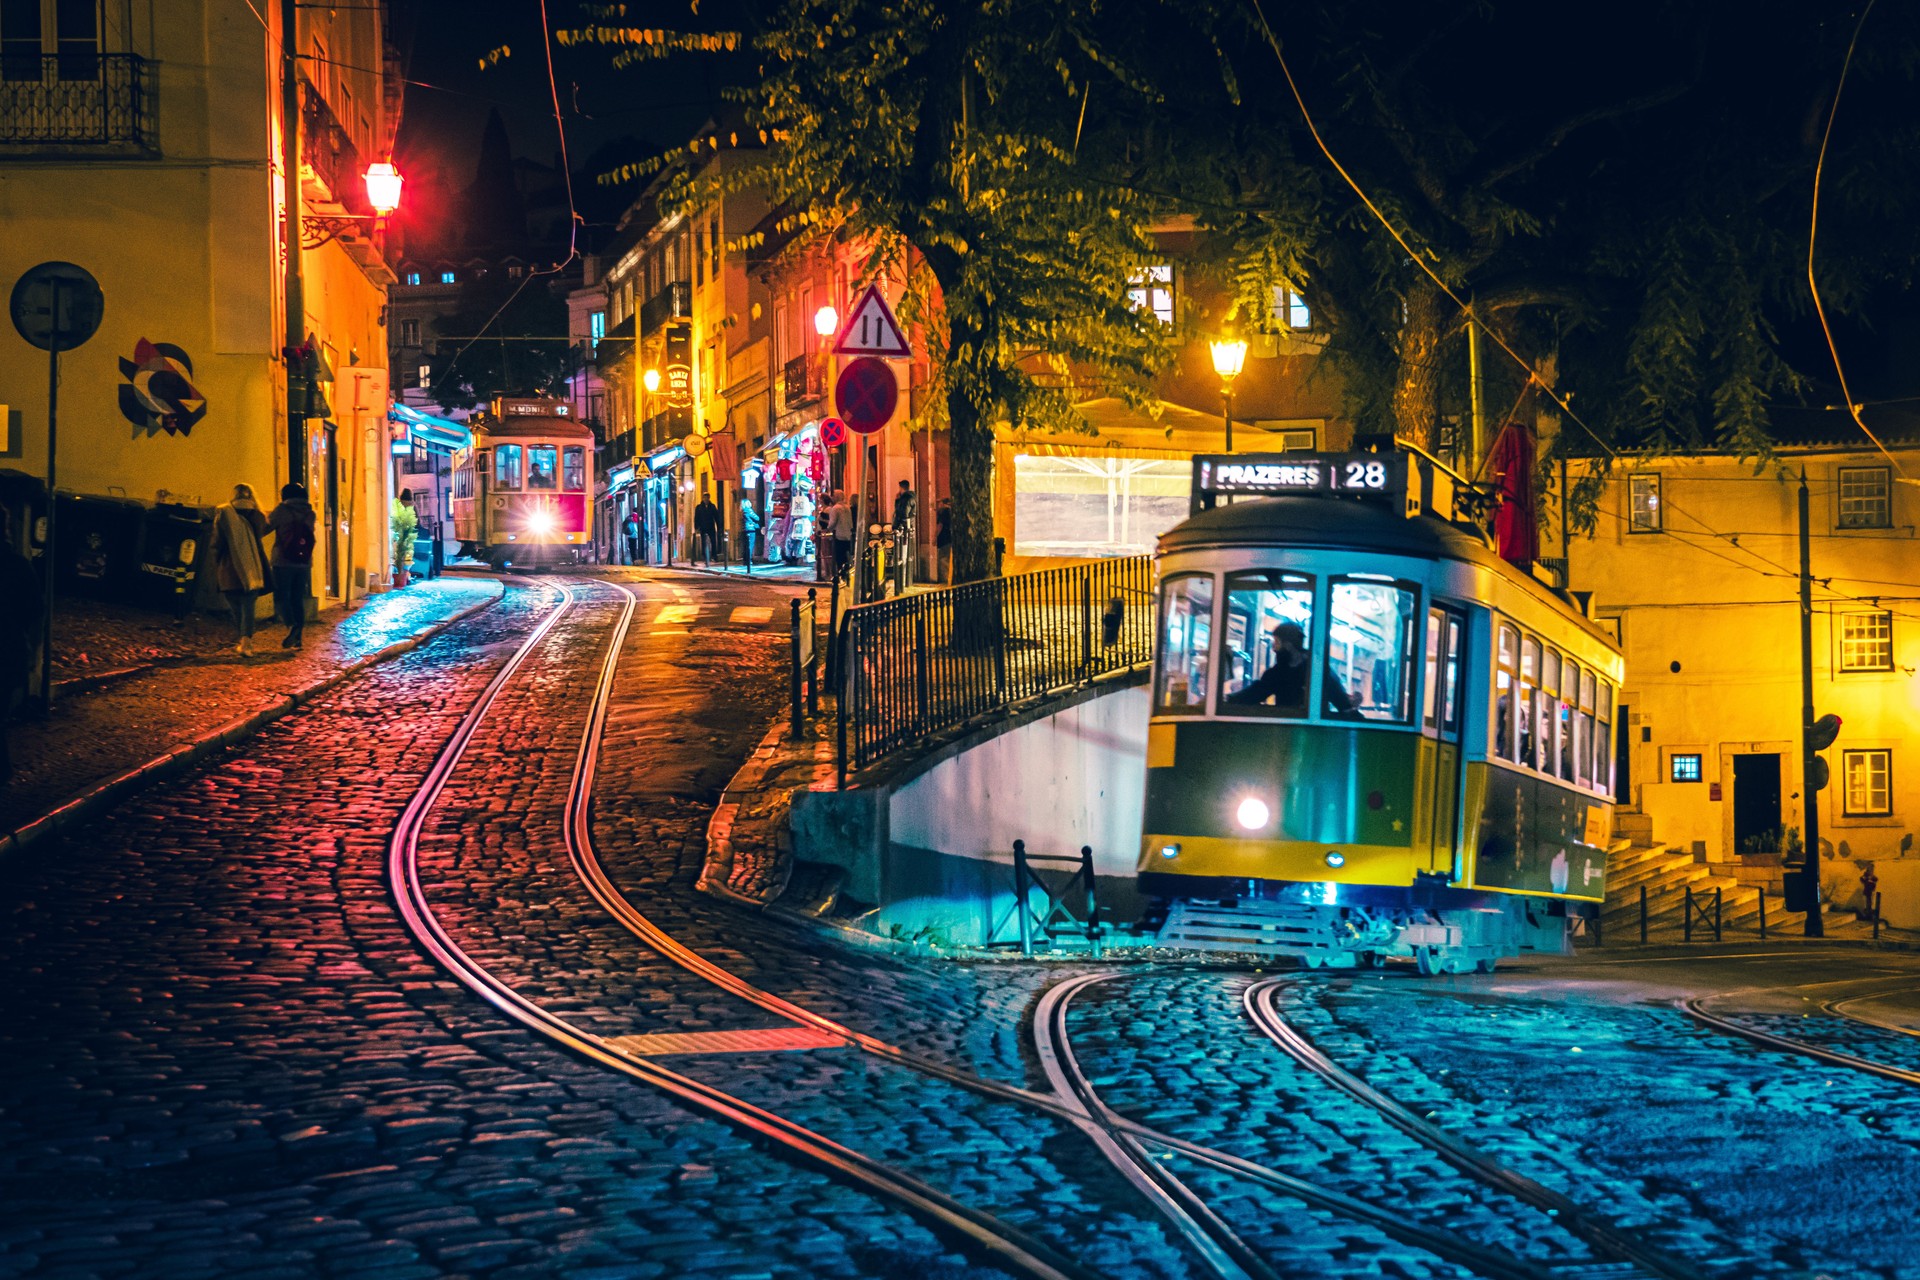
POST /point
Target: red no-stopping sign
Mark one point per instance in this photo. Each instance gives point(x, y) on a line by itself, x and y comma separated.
point(867, 394)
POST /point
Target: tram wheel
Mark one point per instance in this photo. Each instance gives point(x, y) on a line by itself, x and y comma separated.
point(1426, 960)
point(1488, 965)
point(1369, 959)
point(1311, 961)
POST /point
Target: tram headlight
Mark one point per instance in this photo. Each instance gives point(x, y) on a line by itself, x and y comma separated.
point(1169, 850)
point(540, 522)
point(1335, 858)
point(1253, 813)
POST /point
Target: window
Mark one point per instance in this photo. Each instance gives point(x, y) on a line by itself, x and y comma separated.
point(1529, 696)
point(699, 255)
point(1684, 767)
point(1866, 642)
point(1583, 740)
point(1868, 779)
point(1268, 643)
point(1153, 291)
point(1643, 503)
point(573, 473)
point(413, 277)
point(1603, 738)
point(67, 30)
point(446, 277)
point(426, 376)
point(514, 271)
point(713, 248)
point(597, 325)
point(1866, 498)
point(506, 466)
point(1186, 638)
point(1506, 668)
point(409, 333)
point(463, 482)
point(1290, 310)
point(1370, 651)
point(1441, 702)
point(543, 464)
point(1547, 707)
point(1450, 691)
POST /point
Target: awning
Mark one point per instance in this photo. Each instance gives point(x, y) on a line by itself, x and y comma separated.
point(664, 459)
point(619, 478)
point(442, 434)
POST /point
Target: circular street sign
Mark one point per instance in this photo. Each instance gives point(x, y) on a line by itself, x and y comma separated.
point(833, 433)
point(867, 394)
point(57, 304)
point(695, 445)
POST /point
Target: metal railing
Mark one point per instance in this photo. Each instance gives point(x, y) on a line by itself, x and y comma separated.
point(1064, 882)
point(92, 99)
point(925, 663)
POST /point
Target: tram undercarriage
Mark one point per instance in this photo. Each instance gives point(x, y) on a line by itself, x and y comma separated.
point(1354, 935)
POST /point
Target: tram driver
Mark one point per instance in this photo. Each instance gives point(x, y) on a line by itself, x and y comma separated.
point(1284, 683)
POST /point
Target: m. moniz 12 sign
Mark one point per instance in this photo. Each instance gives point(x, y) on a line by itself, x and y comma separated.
point(1373, 475)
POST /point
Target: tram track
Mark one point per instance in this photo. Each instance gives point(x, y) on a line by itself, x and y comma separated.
point(979, 1233)
point(1600, 1235)
point(1695, 1007)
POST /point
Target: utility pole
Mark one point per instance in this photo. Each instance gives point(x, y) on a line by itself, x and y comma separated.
point(1809, 759)
point(296, 318)
point(1477, 439)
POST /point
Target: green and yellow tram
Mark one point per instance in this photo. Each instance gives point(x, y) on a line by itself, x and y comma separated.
point(1370, 735)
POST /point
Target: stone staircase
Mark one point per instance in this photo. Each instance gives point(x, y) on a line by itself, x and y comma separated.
point(1637, 861)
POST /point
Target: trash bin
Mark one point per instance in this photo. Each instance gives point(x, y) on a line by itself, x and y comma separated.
point(96, 547)
point(171, 552)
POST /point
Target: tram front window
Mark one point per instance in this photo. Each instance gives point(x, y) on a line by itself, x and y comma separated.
point(506, 466)
point(1269, 641)
point(1370, 651)
point(1186, 643)
point(575, 472)
point(542, 466)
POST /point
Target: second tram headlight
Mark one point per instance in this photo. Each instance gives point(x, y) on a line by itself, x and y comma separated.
point(1253, 813)
point(540, 522)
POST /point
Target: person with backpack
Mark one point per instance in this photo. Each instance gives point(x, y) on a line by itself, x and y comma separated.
point(240, 560)
point(293, 538)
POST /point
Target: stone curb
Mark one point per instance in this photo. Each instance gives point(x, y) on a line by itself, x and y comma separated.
point(91, 800)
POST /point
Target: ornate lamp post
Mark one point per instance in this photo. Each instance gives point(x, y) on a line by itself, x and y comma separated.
point(826, 322)
point(1229, 357)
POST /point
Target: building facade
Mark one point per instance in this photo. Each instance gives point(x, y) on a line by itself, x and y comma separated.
point(144, 145)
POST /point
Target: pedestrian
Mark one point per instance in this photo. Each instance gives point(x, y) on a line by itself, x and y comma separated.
point(903, 506)
point(19, 632)
point(293, 538)
point(841, 527)
point(706, 527)
point(240, 560)
point(406, 528)
point(749, 531)
point(943, 541)
point(632, 527)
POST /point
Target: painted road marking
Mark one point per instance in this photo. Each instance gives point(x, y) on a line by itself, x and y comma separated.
point(674, 615)
point(751, 613)
point(763, 1040)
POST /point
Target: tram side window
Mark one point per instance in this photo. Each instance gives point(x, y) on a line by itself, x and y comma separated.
point(1450, 696)
point(1186, 643)
point(1505, 741)
point(574, 468)
point(1583, 733)
point(543, 465)
point(1269, 641)
point(1529, 695)
point(463, 482)
point(506, 466)
point(1603, 738)
point(1370, 639)
point(1436, 635)
point(1572, 742)
point(1547, 739)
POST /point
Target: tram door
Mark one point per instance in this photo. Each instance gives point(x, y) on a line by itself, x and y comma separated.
point(1439, 817)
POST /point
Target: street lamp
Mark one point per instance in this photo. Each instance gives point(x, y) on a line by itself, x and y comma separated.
point(651, 380)
point(826, 321)
point(383, 187)
point(1229, 357)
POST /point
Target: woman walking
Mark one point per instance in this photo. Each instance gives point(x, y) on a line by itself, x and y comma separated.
point(240, 559)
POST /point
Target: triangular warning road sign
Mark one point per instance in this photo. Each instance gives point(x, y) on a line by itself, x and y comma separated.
point(871, 329)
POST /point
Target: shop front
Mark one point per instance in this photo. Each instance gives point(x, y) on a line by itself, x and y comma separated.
point(659, 504)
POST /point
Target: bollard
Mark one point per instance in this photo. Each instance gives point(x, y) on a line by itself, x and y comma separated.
point(793, 686)
point(1763, 913)
point(1686, 917)
point(1716, 913)
point(1643, 913)
point(1020, 890)
point(1876, 917)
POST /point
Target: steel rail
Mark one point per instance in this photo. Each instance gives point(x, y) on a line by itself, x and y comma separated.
point(580, 845)
point(980, 1233)
point(1695, 1007)
point(1050, 1033)
point(1578, 1220)
point(1838, 1008)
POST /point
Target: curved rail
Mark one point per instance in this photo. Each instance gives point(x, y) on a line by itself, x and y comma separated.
point(1579, 1221)
point(979, 1232)
point(1695, 1008)
point(1128, 1140)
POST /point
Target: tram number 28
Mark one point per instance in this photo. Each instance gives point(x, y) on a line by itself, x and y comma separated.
point(1359, 475)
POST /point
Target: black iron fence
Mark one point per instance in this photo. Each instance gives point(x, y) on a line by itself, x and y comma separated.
point(93, 99)
point(932, 661)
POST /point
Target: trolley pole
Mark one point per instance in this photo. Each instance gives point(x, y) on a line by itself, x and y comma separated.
point(1809, 781)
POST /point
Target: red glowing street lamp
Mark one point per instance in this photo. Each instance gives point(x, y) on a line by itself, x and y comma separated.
point(383, 188)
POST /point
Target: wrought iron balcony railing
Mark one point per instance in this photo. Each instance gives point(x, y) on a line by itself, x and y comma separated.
point(90, 100)
point(671, 303)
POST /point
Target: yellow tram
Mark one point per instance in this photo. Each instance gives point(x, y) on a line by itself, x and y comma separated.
point(523, 491)
point(1370, 736)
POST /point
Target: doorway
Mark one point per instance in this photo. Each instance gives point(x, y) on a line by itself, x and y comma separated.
point(1756, 802)
point(1622, 756)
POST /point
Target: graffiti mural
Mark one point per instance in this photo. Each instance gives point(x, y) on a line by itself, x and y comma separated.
point(159, 394)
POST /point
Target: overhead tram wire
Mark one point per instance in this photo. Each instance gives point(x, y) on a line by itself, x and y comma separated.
point(1813, 230)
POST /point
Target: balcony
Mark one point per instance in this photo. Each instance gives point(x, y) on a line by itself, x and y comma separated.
point(76, 100)
point(329, 153)
point(803, 380)
point(671, 303)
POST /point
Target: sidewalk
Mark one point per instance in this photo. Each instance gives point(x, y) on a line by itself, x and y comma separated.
point(184, 690)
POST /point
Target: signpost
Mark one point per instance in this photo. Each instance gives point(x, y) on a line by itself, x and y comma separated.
point(56, 307)
point(871, 329)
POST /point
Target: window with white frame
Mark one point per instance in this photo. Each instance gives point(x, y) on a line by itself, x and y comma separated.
point(1290, 310)
point(1866, 642)
point(1866, 783)
point(1866, 498)
point(597, 325)
point(1153, 291)
point(1643, 503)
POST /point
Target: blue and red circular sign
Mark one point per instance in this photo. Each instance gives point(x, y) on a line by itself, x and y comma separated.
point(867, 394)
point(833, 433)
